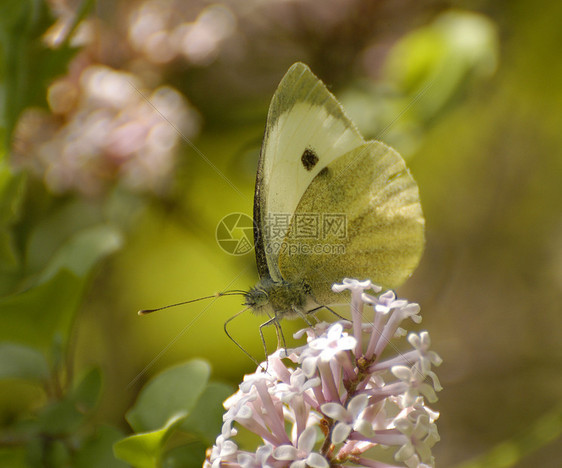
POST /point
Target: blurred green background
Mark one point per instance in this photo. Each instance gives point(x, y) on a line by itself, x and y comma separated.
point(129, 129)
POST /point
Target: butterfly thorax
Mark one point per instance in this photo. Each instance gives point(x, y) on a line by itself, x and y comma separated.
point(281, 299)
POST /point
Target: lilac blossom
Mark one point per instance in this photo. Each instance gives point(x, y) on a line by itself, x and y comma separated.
point(325, 404)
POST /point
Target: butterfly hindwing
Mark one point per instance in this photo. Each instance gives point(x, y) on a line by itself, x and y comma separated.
point(366, 211)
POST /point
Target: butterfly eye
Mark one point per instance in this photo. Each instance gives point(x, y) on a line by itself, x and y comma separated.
point(309, 159)
point(255, 298)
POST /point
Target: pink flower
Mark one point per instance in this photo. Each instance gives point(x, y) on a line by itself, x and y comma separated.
point(329, 401)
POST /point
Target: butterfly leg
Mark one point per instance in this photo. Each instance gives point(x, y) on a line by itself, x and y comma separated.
point(275, 322)
point(303, 315)
point(236, 342)
point(312, 311)
point(281, 343)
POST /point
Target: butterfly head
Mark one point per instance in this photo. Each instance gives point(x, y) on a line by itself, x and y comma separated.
point(282, 299)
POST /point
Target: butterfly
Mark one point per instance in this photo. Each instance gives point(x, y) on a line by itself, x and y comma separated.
point(327, 205)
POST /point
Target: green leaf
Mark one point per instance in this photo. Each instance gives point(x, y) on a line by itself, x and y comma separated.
point(86, 393)
point(177, 389)
point(10, 264)
point(9, 261)
point(192, 454)
point(55, 226)
point(11, 194)
point(439, 58)
point(57, 453)
point(41, 453)
point(22, 25)
point(34, 453)
point(97, 452)
point(23, 362)
point(27, 65)
point(206, 417)
point(35, 316)
point(145, 450)
point(11, 197)
point(83, 251)
point(60, 418)
point(10, 12)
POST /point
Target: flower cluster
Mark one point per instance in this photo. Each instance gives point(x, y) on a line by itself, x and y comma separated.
point(104, 127)
point(162, 31)
point(342, 399)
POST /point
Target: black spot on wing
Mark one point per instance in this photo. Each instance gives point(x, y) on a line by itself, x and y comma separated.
point(309, 159)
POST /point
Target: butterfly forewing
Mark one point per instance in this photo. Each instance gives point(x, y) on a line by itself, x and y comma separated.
point(306, 130)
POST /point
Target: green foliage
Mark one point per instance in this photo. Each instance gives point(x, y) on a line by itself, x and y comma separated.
point(176, 389)
point(12, 192)
point(22, 362)
point(87, 390)
point(21, 17)
point(40, 295)
point(82, 251)
point(34, 347)
point(12, 187)
point(179, 401)
point(145, 450)
point(60, 432)
point(96, 451)
point(205, 419)
point(28, 65)
point(423, 77)
point(41, 313)
point(443, 56)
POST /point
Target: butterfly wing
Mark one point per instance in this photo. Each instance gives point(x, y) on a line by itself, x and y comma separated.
point(360, 216)
point(306, 130)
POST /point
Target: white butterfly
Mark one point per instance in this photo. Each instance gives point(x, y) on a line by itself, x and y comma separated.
point(327, 205)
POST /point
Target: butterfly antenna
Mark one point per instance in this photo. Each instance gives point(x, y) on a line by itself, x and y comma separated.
point(234, 292)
